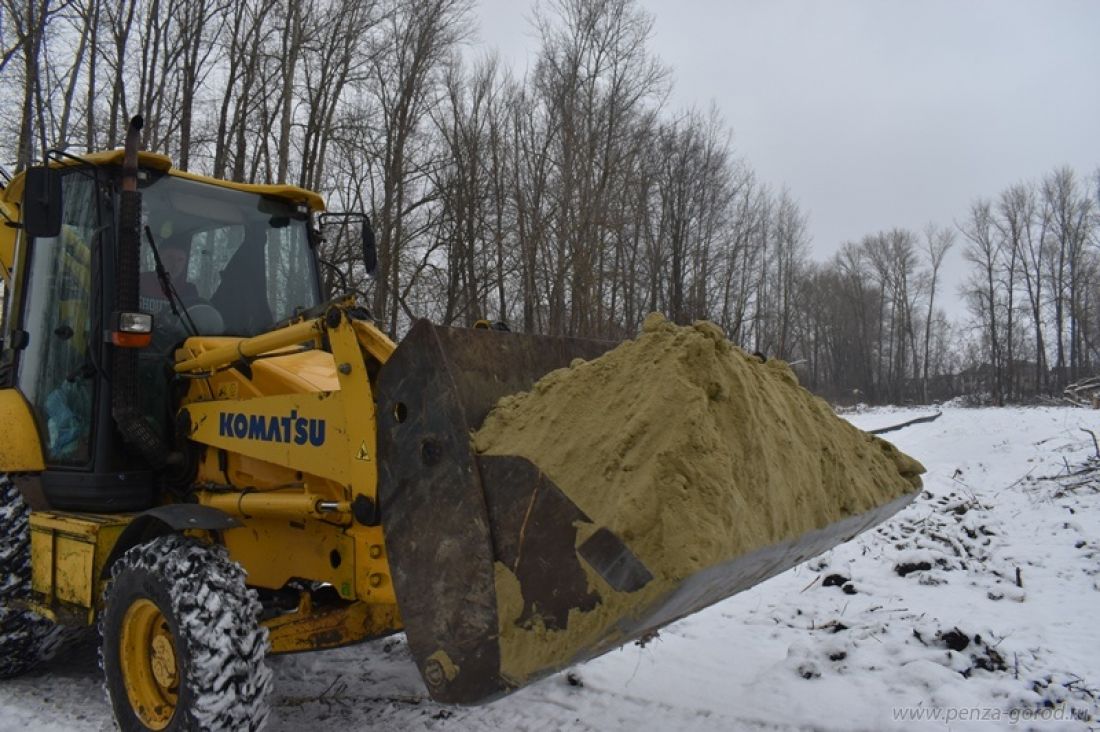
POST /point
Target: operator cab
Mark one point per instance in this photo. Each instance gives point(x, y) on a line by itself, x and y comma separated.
point(239, 258)
point(239, 262)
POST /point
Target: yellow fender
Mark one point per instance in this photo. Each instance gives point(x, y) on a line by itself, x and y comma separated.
point(20, 447)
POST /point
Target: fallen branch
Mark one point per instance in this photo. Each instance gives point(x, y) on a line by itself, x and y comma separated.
point(1095, 444)
point(918, 420)
point(1084, 393)
point(1071, 487)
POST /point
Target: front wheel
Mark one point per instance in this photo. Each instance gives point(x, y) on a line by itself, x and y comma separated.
point(182, 647)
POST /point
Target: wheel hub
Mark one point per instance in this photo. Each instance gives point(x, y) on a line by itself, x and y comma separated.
point(164, 660)
point(148, 661)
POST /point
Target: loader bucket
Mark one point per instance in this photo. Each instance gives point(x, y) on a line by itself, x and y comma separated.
point(454, 518)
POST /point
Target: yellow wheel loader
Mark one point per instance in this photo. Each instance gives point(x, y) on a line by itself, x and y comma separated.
point(210, 463)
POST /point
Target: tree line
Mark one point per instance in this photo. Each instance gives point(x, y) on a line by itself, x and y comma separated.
point(1034, 250)
point(571, 200)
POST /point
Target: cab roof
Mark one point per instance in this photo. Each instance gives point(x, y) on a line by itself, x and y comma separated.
point(13, 192)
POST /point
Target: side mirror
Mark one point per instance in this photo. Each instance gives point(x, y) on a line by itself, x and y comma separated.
point(42, 201)
point(370, 253)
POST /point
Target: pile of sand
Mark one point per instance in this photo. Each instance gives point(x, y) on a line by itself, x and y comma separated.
point(692, 452)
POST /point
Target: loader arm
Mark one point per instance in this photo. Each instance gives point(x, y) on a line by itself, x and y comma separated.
point(288, 421)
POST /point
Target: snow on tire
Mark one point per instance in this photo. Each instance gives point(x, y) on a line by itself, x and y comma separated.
point(215, 678)
point(25, 638)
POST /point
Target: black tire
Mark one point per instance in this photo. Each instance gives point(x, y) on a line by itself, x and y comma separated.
point(26, 638)
point(219, 679)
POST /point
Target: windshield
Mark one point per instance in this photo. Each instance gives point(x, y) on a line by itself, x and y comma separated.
point(240, 262)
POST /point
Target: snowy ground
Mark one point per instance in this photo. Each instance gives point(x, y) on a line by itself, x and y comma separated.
point(919, 624)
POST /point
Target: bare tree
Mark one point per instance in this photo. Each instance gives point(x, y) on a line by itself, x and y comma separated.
point(596, 72)
point(1070, 212)
point(984, 252)
point(29, 21)
point(417, 38)
point(1023, 226)
point(937, 242)
point(198, 25)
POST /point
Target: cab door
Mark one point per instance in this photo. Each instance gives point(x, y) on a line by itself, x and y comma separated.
point(56, 370)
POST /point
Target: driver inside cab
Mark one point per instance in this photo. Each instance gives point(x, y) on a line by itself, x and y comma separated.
point(174, 255)
point(195, 315)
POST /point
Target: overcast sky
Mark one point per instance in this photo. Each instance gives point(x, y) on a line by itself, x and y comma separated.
point(877, 113)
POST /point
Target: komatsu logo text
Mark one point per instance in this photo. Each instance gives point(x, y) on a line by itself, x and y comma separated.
point(293, 429)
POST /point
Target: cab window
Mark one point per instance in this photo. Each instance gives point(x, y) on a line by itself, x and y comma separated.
point(56, 368)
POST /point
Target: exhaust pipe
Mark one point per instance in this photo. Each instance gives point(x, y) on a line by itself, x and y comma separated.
point(136, 430)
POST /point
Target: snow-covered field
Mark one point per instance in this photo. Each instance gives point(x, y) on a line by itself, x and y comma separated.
point(976, 607)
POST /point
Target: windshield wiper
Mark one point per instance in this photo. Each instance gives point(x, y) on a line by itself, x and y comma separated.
point(168, 288)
